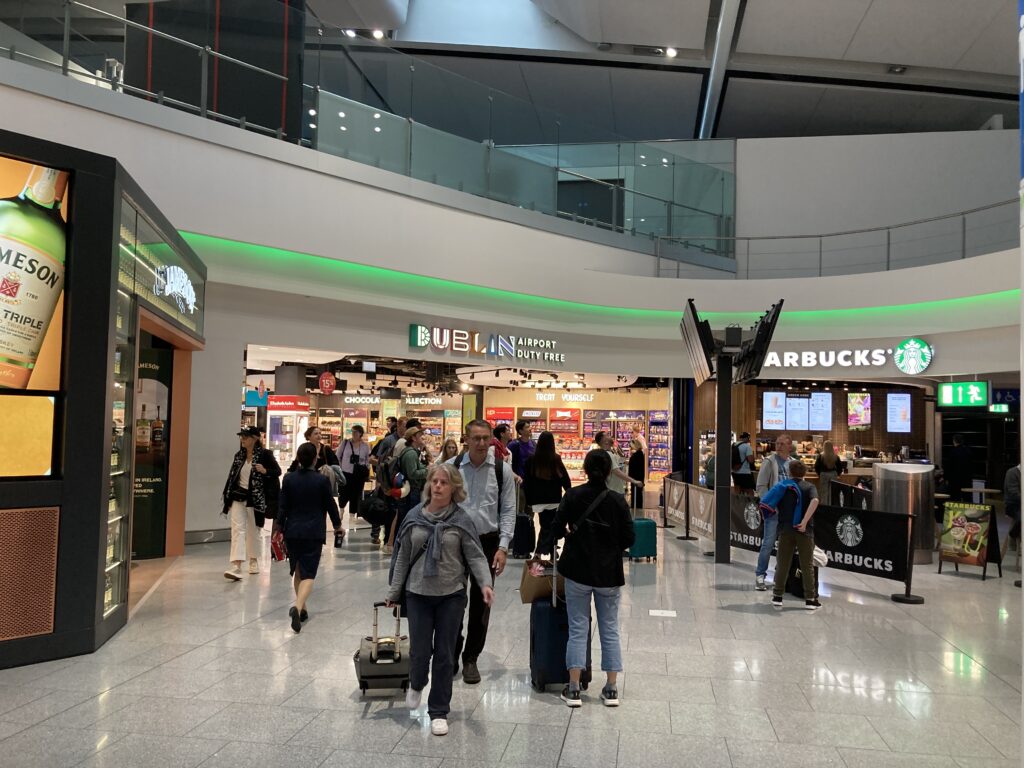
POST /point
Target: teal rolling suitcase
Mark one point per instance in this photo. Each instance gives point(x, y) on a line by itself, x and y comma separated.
point(646, 543)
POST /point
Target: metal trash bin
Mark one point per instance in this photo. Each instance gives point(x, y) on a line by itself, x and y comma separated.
point(909, 489)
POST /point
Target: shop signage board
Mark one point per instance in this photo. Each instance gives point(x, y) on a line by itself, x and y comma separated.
point(474, 343)
point(701, 503)
point(798, 412)
point(565, 397)
point(963, 394)
point(858, 410)
point(289, 403)
point(911, 356)
point(424, 400)
point(327, 382)
point(361, 399)
point(747, 525)
point(869, 542)
point(500, 415)
point(1007, 396)
point(773, 410)
point(969, 536)
point(253, 398)
point(821, 412)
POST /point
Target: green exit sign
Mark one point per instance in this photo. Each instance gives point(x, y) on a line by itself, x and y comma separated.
point(964, 394)
point(999, 408)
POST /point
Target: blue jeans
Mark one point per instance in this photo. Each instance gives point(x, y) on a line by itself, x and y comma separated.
point(577, 601)
point(771, 532)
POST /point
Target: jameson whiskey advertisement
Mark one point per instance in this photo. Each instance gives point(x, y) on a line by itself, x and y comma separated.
point(152, 429)
point(33, 246)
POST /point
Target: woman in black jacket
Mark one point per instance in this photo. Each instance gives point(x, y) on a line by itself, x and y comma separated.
point(324, 455)
point(597, 528)
point(545, 478)
point(637, 471)
point(306, 499)
point(250, 494)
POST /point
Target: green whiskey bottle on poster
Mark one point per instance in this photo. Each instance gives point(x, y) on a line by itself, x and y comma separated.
point(32, 254)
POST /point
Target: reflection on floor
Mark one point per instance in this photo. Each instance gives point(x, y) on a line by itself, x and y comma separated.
point(144, 576)
point(208, 673)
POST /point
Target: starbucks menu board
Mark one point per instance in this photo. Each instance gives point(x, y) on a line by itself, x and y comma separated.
point(797, 412)
point(33, 246)
point(897, 412)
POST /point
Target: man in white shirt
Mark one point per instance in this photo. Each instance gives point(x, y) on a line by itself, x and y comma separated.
point(491, 505)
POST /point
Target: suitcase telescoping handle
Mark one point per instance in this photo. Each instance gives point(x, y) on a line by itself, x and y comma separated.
point(398, 624)
point(554, 574)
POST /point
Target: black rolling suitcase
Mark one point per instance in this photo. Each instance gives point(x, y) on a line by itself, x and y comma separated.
point(383, 662)
point(549, 636)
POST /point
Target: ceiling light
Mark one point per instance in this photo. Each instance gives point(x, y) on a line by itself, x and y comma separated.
point(897, 69)
point(376, 115)
point(341, 114)
point(312, 113)
point(465, 387)
point(398, 361)
point(664, 159)
point(643, 157)
point(263, 349)
point(312, 125)
point(378, 35)
point(376, 129)
point(344, 128)
point(350, 33)
point(671, 52)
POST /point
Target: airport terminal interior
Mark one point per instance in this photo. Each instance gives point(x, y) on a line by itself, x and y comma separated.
point(638, 304)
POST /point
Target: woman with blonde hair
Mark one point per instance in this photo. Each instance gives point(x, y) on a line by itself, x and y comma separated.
point(828, 467)
point(435, 547)
point(449, 450)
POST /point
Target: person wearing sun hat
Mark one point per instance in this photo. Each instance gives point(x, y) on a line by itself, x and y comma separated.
point(250, 494)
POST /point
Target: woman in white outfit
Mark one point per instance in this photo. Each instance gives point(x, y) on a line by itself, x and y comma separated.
point(250, 494)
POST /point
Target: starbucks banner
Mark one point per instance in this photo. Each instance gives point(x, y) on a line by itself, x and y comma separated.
point(850, 496)
point(675, 500)
point(702, 511)
point(869, 542)
point(747, 527)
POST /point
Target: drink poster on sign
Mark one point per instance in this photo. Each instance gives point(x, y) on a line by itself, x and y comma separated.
point(858, 410)
point(969, 536)
point(773, 410)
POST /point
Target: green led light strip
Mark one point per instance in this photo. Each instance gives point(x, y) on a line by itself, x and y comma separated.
point(363, 275)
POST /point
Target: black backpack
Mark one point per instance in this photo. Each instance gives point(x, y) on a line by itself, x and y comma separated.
point(736, 461)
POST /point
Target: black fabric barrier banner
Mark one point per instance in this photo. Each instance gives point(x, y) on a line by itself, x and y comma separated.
point(868, 542)
point(850, 496)
point(747, 526)
point(701, 504)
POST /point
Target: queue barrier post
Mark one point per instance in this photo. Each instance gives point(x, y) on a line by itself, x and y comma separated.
point(686, 518)
point(906, 598)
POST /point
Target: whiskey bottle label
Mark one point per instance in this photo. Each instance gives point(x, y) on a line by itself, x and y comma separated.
point(30, 285)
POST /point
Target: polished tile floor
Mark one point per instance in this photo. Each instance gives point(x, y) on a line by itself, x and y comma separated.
point(208, 673)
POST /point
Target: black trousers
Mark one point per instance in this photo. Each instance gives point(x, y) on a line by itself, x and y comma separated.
point(471, 646)
point(433, 629)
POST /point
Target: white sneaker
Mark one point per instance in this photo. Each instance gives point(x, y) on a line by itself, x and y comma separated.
point(413, 699)
point(759, 584)
point(254, 566)
point(439, 727)
point(234, 573)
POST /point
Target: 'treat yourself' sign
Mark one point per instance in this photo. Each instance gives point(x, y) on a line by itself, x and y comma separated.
point(911, 356)
point(473, 343)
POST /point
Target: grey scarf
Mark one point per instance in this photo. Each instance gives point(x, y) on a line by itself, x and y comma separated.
point(451, 517)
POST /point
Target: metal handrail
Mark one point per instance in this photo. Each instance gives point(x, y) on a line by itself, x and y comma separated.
point(736, 238)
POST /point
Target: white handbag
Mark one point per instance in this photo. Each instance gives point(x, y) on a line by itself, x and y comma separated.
point(820, 558)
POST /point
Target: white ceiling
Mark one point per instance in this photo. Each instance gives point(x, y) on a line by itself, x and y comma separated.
point(676, 23)
point(361, 14)
point(758, 108)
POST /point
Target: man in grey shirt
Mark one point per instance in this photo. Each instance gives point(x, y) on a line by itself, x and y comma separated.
point(774, 468)
point(491, 505)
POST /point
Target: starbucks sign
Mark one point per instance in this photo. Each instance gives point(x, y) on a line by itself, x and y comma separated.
point(912, 356)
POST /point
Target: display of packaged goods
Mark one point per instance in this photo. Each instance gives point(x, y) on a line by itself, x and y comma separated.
point(573, 460)
point(453, 425)
point(659, 445)
point(329, 421)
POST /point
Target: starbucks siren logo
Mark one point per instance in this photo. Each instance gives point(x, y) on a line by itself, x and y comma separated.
point(849, 530)
point(912, 356)
point(752, 515)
